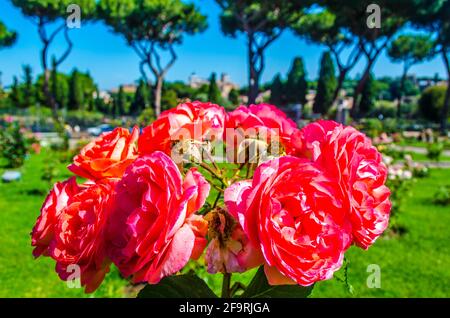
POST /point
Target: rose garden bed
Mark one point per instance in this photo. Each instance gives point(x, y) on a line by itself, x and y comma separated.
point(410, 265)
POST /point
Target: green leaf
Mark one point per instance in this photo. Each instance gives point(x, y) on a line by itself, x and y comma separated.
point(260, 288)
point(181, 286)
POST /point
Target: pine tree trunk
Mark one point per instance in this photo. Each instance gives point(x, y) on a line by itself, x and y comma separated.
point(339, 85)
point(358, 90)
point(445, 107)
point(253, 80)
point(48, 94)
point(158, 93)
point(400, 95)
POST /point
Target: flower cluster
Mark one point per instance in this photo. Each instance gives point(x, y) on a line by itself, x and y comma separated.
point(307, 197)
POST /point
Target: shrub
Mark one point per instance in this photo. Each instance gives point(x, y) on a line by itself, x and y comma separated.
point(408, 109)
point(391, 151)
point(384, 108)
point(49, 172)
point(431, 102)
point(434, 150)
point(372, 127)
point(13, 146)
point(442, 196)
point(390, 125)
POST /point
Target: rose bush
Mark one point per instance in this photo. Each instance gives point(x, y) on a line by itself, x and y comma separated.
point(294, 212)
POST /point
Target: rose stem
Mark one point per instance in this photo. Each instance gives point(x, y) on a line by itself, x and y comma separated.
point(226, 285)
point(218, 196)
point(212, 160)
point(213, 173)
point(236, 174)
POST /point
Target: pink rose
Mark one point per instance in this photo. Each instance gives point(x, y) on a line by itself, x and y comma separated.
point(261, 122)
point(44, 230)
point(153, 230)
point(188, 121)
point(107, 156)
point(357, 165)
point(293, 211)
point(71, 228)
point(80, 238)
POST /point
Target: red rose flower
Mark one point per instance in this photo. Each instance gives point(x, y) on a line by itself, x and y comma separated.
point(293, 211)
point(80, 234)
point(44, 229)
point(262, 122)
point(357, 165)
point(153, 230)
point(188, 121)
point(107, 156)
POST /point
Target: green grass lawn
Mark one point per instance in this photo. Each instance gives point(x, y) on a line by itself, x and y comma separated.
point(418, 143)
point(414, 265)
point(423, 157)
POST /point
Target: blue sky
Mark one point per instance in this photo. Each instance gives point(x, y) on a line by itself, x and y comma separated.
point(111, 62)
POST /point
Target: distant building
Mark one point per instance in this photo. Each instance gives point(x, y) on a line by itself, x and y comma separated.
point(424, 82)
point(224, 83)
point(104, 95)
point(127, 88)
point(196, 81)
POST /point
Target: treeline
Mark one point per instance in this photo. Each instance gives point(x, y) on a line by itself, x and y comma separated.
point(77, 91)
point(73, 91)
point(352, 31)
